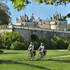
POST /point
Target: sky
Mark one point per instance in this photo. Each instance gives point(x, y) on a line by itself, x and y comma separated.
point(39, 10)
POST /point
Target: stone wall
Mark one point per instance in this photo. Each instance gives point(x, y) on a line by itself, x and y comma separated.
point(26, 32)
point(41, 33)
point(5, 28)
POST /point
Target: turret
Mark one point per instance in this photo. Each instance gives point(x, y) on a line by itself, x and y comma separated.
point(24, 18)
point(32, 18)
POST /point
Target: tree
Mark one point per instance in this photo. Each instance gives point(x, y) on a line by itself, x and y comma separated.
point(58, 43)
point(18, 46)
point(1, 47)
point(9, 38)
point(4, 7)
point(68, 47)
point(4, 14)
point(4, 18)
point(19, 4)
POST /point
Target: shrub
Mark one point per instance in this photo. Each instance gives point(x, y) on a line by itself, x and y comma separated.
point(1, 51)
point(26, 44)
point(45, 42)
point(68, 47)
point(1, 47)
point(10, 37)
point(68, 40)
point(17, 46)
point(58, 43)
point(61, 44)
point(36, 44)
point(53, 42)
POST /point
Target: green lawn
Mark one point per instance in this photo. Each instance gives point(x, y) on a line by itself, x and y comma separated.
point(19, 60)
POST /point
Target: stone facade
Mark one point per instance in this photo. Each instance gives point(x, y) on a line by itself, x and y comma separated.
point(56, 22)
point(27, 32)
point(41, 33)
point(5, 28)
point(42, 28)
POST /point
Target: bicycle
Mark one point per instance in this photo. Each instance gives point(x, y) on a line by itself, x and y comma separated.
point(42, 54)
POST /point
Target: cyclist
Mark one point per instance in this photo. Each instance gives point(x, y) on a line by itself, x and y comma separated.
point(42, 51)
point(31, 49)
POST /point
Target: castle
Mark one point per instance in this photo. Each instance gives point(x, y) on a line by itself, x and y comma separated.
point(43, 28)
point(56, 22)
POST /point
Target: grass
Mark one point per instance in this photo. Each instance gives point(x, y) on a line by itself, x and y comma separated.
point(19, 60)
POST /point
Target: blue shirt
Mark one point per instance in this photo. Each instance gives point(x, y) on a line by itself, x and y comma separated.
point(42, 47)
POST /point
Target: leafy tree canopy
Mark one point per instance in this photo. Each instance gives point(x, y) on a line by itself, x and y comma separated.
point(4, 13)
point(10, 37)
point(4, 18)
point(19, 4)
point(5, 8)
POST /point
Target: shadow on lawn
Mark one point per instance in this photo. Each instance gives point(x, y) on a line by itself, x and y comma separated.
point(66, 61)
point(15, 62)
point(13, 53)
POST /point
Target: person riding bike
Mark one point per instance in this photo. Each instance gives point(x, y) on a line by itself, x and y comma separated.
point(31, 50)
point(42, 51)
